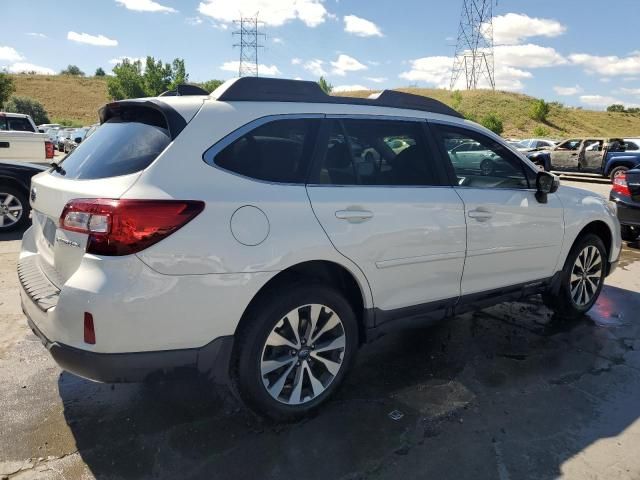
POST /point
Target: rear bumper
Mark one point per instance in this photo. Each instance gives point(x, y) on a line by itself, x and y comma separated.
point(628, 213)
point(211, 360)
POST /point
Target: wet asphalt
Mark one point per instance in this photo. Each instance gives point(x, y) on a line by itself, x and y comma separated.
point(506, 393)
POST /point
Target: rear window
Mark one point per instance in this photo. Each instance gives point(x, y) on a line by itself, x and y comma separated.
point(20, 124)
point(119, 147)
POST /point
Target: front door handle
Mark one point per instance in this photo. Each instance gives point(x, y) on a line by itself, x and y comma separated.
point(480, 215)
point(354, 216)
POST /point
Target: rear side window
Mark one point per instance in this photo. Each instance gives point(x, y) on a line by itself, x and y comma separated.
point(376, 152)
point(121, 146)
point(278, 151)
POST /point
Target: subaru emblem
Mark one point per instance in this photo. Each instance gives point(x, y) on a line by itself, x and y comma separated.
point(33, 194)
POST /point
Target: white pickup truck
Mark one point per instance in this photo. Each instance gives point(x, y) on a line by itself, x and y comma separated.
point(19, 140)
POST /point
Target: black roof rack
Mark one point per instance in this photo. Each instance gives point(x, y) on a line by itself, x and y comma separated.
point(259, 89)
point(184, 89)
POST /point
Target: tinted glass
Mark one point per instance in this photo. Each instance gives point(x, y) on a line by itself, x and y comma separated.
point(116, 148)
point(278, 151)
point(489, 165)
point(18, 124)
point(375, 152)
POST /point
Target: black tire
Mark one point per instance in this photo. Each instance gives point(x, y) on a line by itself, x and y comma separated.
point(562, 302)
point(251, 348)
point(617, 171)
point(629, 233)
point(19, 198)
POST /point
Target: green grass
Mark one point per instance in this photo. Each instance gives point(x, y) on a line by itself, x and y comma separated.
point(77, 99)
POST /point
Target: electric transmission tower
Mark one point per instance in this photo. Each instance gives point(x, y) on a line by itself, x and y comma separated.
point(474, 48)
point(248, 30)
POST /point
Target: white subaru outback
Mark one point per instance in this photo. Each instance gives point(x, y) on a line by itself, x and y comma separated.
point(262, 233)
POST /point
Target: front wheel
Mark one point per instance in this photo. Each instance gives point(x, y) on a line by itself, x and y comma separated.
point(294, 350)
point(581, 279)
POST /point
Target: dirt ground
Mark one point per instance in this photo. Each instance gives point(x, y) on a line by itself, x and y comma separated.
point(507, 393)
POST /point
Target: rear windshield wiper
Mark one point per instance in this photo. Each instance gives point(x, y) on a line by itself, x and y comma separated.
point(57, 168)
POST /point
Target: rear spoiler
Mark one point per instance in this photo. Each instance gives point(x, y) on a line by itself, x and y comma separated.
point(175, 121)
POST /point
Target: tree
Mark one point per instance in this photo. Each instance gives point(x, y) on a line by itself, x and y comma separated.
point(73, 70)
point(616, 107)
point(157, 77)
point(100, 72)
point(493, 123)
point(6, 88)
point(28, 106)
point(540, 131)
point(539, 110)
point(325, 86)
point(127, 81)
point(210, 85)
point(179, 75)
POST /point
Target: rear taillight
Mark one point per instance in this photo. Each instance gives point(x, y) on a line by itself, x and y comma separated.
point(48, 149)
point(620, 185)
point(123, 227)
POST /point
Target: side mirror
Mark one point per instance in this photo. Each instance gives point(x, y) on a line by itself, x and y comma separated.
point(77, 139)
point(546, 183)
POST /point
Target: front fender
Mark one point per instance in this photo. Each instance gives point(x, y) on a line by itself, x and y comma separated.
point(581, 208)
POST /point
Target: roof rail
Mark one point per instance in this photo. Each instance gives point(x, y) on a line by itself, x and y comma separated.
point(184, 89)
point(257, 89)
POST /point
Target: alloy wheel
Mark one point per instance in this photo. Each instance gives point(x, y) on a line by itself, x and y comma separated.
point(303, 354)
point(586, 276)
point(11, 210)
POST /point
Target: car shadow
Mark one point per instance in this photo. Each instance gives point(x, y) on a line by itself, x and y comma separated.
point(13, 235)
point(507, 390)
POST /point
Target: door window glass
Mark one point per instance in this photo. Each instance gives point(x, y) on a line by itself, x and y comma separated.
point(480, 162)
point(376, 152)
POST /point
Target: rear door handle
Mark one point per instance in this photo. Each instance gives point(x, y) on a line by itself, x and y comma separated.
point(480, 215)
point(354, 216)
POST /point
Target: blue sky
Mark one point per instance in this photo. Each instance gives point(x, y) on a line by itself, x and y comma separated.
point(579, 52)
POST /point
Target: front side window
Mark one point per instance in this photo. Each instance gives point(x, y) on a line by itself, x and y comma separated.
point(488, 165)
point(278, 151)
point(375, 152)
point(573, 144)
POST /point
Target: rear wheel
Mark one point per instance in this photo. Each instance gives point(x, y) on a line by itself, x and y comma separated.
point(294, 350)
point(14, 208)
point(486, 167)
point(629, 233)
point(617, 172)
point(581, 279)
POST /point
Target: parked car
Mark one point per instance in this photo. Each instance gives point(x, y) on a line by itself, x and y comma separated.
point(19, 140)
point(232, 235)
point(626, 194)
point(63, 135)
point(529, 144)
point(605, 156)
point(43, 128)
point(15, 178)
point(74, 140)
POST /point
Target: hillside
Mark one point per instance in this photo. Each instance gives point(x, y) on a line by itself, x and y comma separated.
point(78, 99)
point(64, 97)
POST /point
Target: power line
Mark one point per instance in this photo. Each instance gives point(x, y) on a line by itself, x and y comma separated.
point(248, 30)
point(474, 48)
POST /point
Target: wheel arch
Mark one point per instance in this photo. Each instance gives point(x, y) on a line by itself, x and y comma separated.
point(600, 229)
point(325, 271)
point(13, 182)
